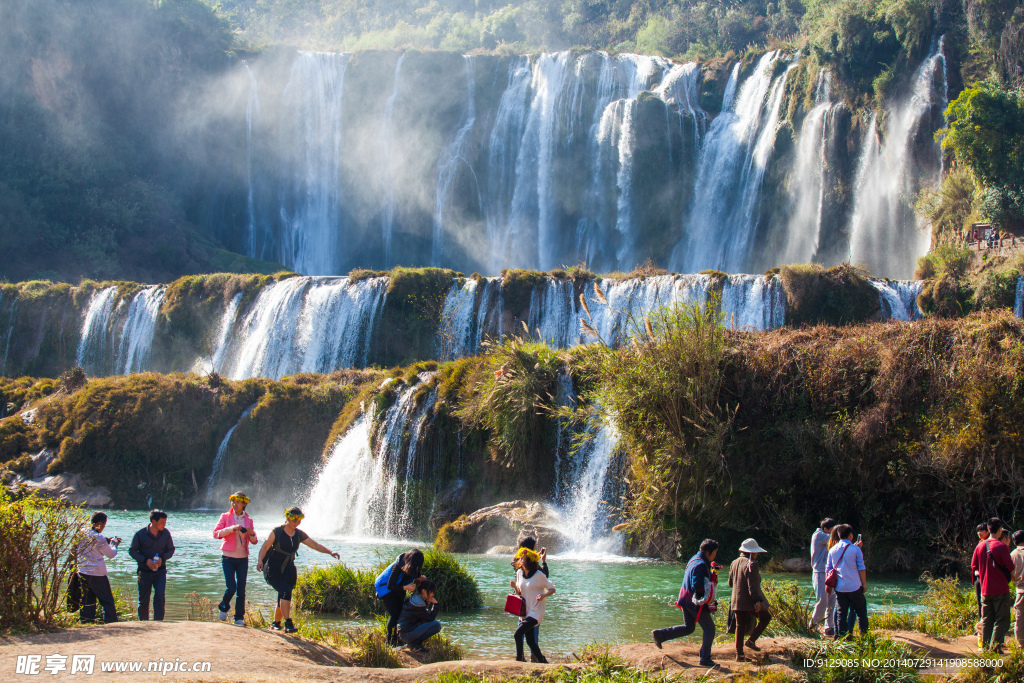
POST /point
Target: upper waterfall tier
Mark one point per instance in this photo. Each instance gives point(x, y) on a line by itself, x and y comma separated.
point(482, 163)
point(256, 327)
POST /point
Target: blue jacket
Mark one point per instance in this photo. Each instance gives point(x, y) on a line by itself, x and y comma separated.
point(698, 571)
point(393, 579)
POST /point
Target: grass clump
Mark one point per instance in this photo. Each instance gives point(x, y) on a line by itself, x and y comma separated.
point(517, 287)
point(457, 588)
point(836, 296)
point(1010, 668)
point(840, 661)
point(359, 274)
point(370, 647)
point(336, 588)
point(789, 606)
point(949, 611)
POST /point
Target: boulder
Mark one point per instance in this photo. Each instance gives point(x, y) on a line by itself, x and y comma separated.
point(42, 460)
point(798, 565)
point(503, 525)
point(450, 504)
point(73, 489)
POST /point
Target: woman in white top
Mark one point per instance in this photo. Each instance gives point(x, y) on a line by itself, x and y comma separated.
point(93, 549)
point(534, 588)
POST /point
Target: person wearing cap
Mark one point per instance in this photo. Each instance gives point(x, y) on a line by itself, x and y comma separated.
point(277, 562)
point(235, 529)
point(748, 601)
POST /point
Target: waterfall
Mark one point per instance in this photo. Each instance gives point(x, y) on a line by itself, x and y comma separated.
point(753, 303)
point(585, 514)
point(93, 345)
point(227, 322)
point(807, 181)
point(135, 349)
point(13, 316)
point(252, 109)
point(303, 324)
point(387, 163)
point(218, 461)
point(451, 161)
point(898, 298)
point(720, 230)
point(357, 490)
point(311, 218)
point(885, 233)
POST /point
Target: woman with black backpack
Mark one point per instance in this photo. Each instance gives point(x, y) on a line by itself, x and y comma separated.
point(277, 562)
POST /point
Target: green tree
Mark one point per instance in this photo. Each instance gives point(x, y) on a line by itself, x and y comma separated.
point(986, 132)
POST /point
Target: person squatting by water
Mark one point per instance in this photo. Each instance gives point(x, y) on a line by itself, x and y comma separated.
point(277, 562)
point(151, 547)
point(235, 529)
point(531, 543)
point(825, 601)
point(992, 562)
point(847, 559)
point(534, 587)
point(697, 602)
point(92, 551)
point(748, 603)
point(418, 620)
point(391, 585)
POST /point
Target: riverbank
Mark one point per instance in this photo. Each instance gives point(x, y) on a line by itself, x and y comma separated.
point(259, 655)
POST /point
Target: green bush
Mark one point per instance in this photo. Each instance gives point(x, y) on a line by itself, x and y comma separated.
point(457, 588)
point(996, 290)
point(945, 297)
point(945, 260)
point(336, 588)
point(950, 611)
point(789, 606)
point(835, 296)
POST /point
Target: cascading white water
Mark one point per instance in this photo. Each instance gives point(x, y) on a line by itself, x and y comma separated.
point(312, 219)
point(898, 298)
point(885, 233)
point(303, 324)
point(451, 162)
point(807, 181)
point(357, 491)
point(719, 232)
point(585, 513)
point(387, 220)
point(136, 345)
point(93, 344)
point(218, 461)
point(753, 303)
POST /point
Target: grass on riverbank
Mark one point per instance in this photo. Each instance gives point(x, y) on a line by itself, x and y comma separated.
point(839, 661)
point(949, 611)
point(341, 589)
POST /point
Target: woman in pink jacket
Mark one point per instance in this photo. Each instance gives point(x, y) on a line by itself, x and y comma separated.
point(235, 528)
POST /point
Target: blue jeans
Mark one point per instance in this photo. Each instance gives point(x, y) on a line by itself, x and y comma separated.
point(416, 636)
point(157, 583)
point(690, 622)
point(235, 571)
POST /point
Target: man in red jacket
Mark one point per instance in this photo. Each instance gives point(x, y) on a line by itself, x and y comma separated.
point(994, 565)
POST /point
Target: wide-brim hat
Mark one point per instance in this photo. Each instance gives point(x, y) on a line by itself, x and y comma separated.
point(751, 546)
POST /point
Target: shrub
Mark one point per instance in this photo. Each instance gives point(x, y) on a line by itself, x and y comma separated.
point(945, 260)
point(370, 647)
point(996, 290)
point(945, 297)
point(457, 588)
point(835, 296)
point(950, 611)
point(789, 607)
point(37, 536)
point(336, 588)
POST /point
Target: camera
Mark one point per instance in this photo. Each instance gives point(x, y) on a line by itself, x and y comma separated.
point(244, 530)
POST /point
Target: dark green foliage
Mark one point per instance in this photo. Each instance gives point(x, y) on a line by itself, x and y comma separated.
point(945, 260)
point(457, 588)
point(517, 287)
point(836, 296)
point(986, 132)
point(996, 290)
point(945, 297)
point(412, 313)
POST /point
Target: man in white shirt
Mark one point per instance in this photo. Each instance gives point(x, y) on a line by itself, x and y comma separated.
point(825, 605)
point(1018, 578)
point(93, 549)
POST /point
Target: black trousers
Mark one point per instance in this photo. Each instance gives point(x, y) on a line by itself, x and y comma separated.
point(527, 630)
point(97, 588)
point(852, 607)
point(393, 602)
point(154, 583)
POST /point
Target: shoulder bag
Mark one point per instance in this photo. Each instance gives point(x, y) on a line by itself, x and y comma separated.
point(832, 578)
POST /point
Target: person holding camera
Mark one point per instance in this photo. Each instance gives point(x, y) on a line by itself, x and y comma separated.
point(151, 547)
point(235, 528)
point(93, 549)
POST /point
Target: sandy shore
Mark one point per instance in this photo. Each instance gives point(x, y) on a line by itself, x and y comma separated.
point(250, 654)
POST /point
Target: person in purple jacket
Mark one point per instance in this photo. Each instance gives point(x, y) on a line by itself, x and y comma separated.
point(696, 600)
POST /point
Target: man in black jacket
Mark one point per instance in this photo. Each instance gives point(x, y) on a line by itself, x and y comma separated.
point(151, 548)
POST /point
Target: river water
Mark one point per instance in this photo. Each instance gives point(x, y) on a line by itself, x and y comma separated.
point(602, 598)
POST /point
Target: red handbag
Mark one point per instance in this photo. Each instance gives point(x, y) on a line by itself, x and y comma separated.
point(515, 606)
point(832, 578)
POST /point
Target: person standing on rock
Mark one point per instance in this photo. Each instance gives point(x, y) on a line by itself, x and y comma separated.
point(151, 547)
point(236, 530)
point(534, 588)
point(530, 543)
point(994, 565)
point(696, 600)
point(748, 601)
point(93, 550)
point(277, 562)
point(391, 586)
point(825, 601)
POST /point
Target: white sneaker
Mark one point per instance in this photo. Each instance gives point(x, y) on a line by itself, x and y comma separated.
point(239, 622)
point(223, 615)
